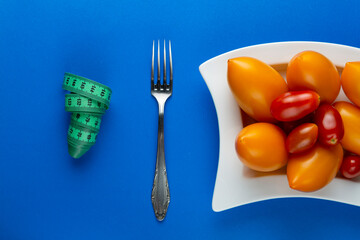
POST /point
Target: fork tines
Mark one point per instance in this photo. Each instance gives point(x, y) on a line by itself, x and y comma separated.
point(164, 86)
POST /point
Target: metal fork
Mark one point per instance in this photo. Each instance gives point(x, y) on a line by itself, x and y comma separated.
point(160, 195)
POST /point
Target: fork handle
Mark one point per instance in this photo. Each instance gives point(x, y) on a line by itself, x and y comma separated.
point(160, 195)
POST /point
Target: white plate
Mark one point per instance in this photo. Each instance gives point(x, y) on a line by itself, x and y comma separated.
point(236, 184)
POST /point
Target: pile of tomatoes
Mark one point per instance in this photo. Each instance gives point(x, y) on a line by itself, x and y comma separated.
point(296, 123)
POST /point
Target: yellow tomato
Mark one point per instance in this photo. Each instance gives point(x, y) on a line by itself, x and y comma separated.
point(350, 81)
point(261, 147)
point(350, 115)
point(255, 85)
point(311, 70)
point(314, 169)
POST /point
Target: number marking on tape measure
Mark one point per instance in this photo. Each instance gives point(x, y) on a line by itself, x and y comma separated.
point(88, 88)
point(86, 120)
point(82, 134)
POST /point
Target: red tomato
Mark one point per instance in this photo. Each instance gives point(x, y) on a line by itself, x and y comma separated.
point(292, 106)
point(302, 138)
point(350, 167)
point(331, 128)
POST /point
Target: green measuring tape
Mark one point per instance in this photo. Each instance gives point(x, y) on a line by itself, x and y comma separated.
point(87, 102)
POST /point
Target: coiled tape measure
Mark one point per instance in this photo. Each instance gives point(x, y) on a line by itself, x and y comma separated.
point(87, 102)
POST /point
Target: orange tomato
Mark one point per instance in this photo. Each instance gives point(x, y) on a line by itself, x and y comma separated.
point(350, 81)
point(255, 85)
point(311, 70)
point(314, 169)
point(350, 115)
point(261, 147)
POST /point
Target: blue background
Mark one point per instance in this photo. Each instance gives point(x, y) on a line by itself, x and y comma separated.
point(45, 194)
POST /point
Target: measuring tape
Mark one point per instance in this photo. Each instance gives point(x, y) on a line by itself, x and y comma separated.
point(87, 102)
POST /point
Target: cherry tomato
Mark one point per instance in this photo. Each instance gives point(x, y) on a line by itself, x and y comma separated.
point(350, 81)
point(261, 147)
point(311, 70)
point(302, 138)
point(331, 128)
point(350, 115)
point(291, 106)
point(255, 85)
point(350, 168)
point(312, 170)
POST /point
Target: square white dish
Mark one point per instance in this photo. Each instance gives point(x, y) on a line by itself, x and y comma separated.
point(237, 185)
